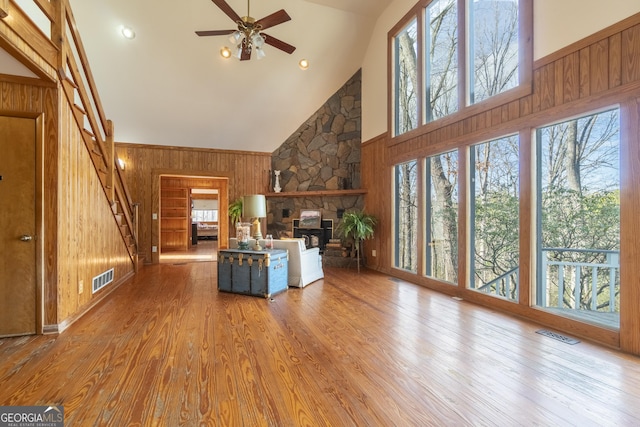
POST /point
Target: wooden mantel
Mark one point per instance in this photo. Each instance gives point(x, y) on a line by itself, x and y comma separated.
point(319, 193)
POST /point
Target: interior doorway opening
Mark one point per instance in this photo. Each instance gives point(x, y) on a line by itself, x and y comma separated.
point(191, 219)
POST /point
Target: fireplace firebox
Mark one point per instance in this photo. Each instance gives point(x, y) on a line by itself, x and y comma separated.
point(314, 237)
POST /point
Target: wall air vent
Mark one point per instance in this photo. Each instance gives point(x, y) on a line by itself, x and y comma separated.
point(102, 280)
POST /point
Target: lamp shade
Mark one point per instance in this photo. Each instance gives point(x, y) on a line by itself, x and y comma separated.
point(254, 206)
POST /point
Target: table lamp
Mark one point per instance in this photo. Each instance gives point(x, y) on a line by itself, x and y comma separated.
point(255, 206)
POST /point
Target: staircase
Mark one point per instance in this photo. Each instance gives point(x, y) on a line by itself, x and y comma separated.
point(58, 56)
point(97, 132)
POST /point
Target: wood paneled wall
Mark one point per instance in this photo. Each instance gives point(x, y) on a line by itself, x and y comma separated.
point(600, 71)
point(80, 237)
point(377, 178)
point(89, 240)
point(245, 172)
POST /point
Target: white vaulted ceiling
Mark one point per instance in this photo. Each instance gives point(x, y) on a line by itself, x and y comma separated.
point(171, 87)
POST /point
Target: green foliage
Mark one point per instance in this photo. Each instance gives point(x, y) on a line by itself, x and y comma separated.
point(235, 211)
point(571, 220)
point(357, 225)
point(496, 235)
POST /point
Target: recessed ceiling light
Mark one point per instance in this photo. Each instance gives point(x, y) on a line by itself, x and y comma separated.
point(303, 64)
point(128, 33)
point(225, 52)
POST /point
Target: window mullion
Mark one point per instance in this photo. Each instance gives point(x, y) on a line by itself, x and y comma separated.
point(464, 75)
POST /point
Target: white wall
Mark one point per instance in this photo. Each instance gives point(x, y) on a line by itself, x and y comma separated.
point(557, 23)
point(374, 71)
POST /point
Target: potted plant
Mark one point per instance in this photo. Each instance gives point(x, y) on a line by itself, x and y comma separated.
point(235, 211)
point(359, 226)
point(243, 229)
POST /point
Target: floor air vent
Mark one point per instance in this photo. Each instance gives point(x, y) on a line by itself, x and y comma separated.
point(102, 280)
point(558, 337)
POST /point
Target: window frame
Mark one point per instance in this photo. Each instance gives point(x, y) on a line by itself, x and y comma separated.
point(465, 109)
point(418, 164)
point(471, 282)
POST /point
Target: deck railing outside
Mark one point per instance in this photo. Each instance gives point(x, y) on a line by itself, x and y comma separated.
point(581, 279)
point(577, 280)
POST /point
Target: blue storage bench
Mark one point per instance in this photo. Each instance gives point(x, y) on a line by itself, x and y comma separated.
point(258, 273)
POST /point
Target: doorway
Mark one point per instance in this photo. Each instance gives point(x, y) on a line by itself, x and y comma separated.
point(190, 220)
point(19, 191)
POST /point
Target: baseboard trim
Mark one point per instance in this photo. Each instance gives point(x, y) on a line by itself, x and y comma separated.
point(50, 329)
point(62, 326)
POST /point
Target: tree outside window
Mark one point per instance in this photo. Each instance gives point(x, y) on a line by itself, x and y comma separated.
point(406, 79)
point(406, 216)
point(442, 217)
point(495, 202)
point(491, 65)
point(579, 214)
point(441, 45)
point(493, 48)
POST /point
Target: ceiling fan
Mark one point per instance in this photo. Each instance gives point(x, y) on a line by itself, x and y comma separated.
point(249, 35)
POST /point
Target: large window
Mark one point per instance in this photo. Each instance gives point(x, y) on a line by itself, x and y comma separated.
point(495, 204)
point(493, 47)
point(406, 216)
point(579, 218)
point(441, 67)
point(204, 215)
point(442, 217)
point(490, 62)
point(406, 78)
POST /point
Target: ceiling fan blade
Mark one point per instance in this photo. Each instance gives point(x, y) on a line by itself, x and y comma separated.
point(214, 32)
point(227, 10)
point(286, 47)
point(274, 19)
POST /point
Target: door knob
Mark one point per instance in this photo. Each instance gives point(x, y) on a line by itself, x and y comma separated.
point(26, 238)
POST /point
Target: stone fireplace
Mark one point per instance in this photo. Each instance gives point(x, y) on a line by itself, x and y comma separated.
point(320, 166)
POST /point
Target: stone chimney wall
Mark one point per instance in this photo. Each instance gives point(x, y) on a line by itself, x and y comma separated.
point(323, 154)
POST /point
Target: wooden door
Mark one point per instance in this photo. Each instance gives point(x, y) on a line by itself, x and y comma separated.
point(18, 296)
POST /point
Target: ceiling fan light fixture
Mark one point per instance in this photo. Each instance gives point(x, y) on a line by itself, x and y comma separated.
point(235, 38)
point(257, 40)
point(237, 52)
point(303, 64)
point(247, 36)
point(260, 53)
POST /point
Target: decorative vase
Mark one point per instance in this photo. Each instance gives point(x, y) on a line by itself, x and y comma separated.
point(277, 187)
point(243, 232)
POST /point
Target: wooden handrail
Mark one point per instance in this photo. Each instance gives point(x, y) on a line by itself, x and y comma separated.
point(47, 8)
point(85, 63)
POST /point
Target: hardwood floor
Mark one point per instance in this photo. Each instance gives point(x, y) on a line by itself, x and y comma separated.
point(352, 350)
point(205, 250)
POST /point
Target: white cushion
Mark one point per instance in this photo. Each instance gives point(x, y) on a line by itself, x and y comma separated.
point(305, 265)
